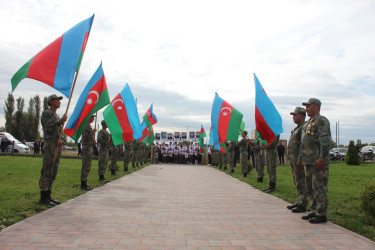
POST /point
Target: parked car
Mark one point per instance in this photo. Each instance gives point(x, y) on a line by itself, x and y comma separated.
point(64, 147)
point(19, 147)
point(338, 154)
point(368, 153)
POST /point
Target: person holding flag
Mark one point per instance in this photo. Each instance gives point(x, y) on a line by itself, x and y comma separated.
point(51, 124)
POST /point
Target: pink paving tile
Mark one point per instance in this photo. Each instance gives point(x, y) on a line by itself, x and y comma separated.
point(176, 207)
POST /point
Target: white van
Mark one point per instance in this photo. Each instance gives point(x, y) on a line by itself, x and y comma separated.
point(19, 147)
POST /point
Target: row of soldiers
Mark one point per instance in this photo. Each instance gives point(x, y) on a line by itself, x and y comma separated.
point(52, 124)
point(262, 154)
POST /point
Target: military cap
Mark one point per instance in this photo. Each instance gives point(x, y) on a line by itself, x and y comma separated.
point(103, 122)
point(245, 132)
point(54, 96)
point(298, 110)
point(312, 101)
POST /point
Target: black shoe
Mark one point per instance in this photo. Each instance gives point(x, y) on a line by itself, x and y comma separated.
point(225, 168)
point(44, 199)
point(113, 172)
point(141, 164)
point(299, 209)
point(244, 175)
point(266, 189)
point(137, 165)
point(56, 202)
point(318, 219)
point(260, 180)
point(290, 207)
point(270, 190)
point(126, 169)
point(133, 166)
point(231, 171)
point(308, 216)
point(220, 167)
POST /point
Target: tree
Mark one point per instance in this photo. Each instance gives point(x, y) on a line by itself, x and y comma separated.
point(31, 133)
point(18, 125)
point(9, 109)
point(45, 103)
point(352, 156)
point(37, 115)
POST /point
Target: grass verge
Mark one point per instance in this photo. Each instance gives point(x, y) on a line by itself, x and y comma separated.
point(345, 186)
point(19, 186)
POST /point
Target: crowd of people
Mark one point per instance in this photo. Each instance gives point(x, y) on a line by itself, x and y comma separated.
point(179, 153)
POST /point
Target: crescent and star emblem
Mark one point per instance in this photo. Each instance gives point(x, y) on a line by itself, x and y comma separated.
point(118, 107)
point(89, 100)
point(225, 113)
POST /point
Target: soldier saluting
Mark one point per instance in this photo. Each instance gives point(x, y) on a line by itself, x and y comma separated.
point(51, 124)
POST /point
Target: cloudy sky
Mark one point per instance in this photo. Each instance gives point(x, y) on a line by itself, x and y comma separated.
point(177, 54)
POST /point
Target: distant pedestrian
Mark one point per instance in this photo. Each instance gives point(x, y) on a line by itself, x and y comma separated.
point(280, 153)
point(79, 148)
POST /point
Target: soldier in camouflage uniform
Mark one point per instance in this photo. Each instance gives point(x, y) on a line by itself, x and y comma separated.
point(271, 158)
point(51, 124)
point(230, 154)
point(135, 153)
point(243, 145)
point(314, 157)
point(127, 155)
point(294, 145)
point(141, 152)
point(116, 150)
point(88, 141)
point(259, 159)
point(103, 142)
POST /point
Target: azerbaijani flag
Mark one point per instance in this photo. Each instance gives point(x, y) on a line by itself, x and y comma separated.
point(225, 120)
point(150, 118)
point(122, 117)
point(216, 146)
point(201, 139)
point(242, 128)
point(144, 130)
point(268, 121)
point(94, 97)
point(57, 63)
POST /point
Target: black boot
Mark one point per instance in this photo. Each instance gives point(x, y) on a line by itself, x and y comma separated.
point(299, 209)
point(272, 187)
point(113, 172)
point(244, 175)
point(52, 200)
point(266, 189)
point(84, 186)
point(141, 163)
point(260, 180)
point(220, 167)
point(133, 165)
point(44, 199)
point(126, 169)
point(225, 168)
point(137, 165)
point(232, 171)
point(290, 207)
point(101, 178)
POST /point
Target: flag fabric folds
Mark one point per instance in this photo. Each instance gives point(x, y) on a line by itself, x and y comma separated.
point(122, 117)
point(57, 63)
point(94, 97)
point(201, 139)
point(150, 118)
point(268, 121)
point(225, 121)
point(242, 128)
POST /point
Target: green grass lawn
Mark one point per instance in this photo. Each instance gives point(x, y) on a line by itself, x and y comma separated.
point(19, 188)
point(345, 186)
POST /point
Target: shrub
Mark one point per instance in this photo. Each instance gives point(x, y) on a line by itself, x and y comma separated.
point(352, 156)
point(368, 199)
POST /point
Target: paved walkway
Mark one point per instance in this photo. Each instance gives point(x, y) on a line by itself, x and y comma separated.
point(176, 207)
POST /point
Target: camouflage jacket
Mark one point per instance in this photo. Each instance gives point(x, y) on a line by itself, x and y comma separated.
point(103, 138)
point(315, 140)
point(231, 146)
point(243, 145)
point(295, 144)
point(274, 143)
point(136, 145)
point(256, 144)
point(51, 125)
point(88, 136)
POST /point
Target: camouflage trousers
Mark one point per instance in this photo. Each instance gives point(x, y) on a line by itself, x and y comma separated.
point(135, 157)
point(230, 156)
point(102, 160)
point(127, 155)
point(259, 163)
point(316, 188)
point(50, 165)
point(114, 158)
point(271, 156)
point(86, 161)
point(223, 159)
point(300, 184)
point(243, 160)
